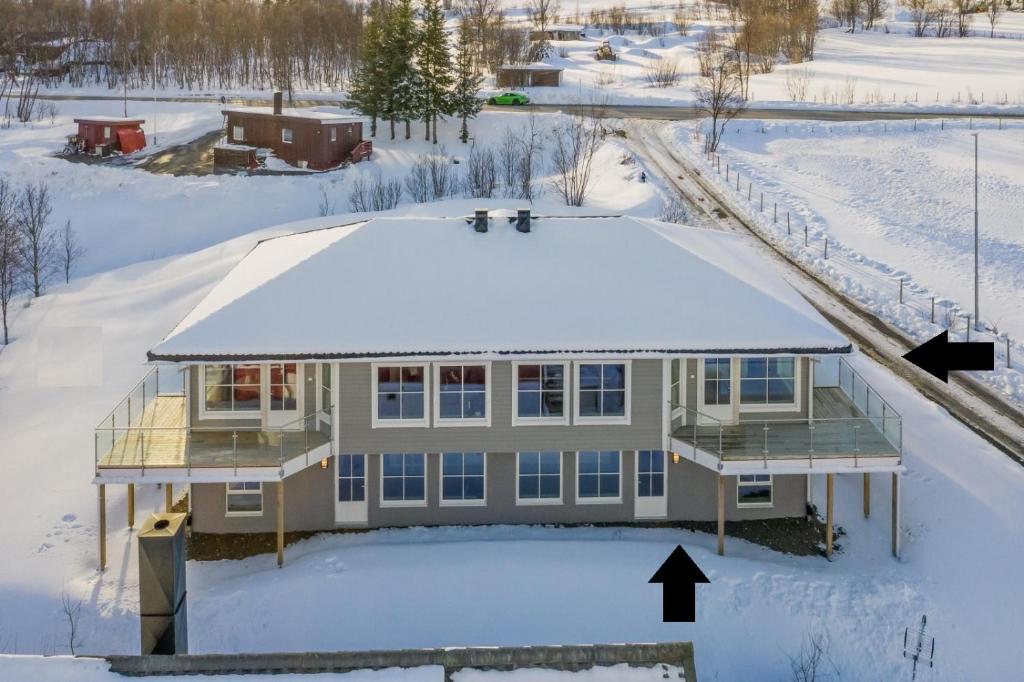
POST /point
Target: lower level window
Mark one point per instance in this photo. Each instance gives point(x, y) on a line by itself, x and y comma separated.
point(650, 473)
point(403, 478)
point(754, 490)
point(540, 477)
point(462, 477)
point(245, 498)
point(598, 475)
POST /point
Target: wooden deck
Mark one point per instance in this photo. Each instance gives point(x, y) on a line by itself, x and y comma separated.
point(840, 430)
point(159, 439)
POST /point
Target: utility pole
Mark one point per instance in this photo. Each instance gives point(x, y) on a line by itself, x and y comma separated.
point(977, 316)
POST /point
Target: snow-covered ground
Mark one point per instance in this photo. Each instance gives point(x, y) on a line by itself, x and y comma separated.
point(158, 243)
point(896, 201)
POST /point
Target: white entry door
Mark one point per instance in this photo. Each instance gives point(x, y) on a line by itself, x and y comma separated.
point(350, 500)
point(714, 390)
point(651, 493)
point(285, 391)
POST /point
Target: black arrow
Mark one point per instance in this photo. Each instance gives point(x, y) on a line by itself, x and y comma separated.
point(938, 356)
point(679, 576)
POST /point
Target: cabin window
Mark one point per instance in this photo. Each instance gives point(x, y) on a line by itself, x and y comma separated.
point(717, 381)
point(238, 133)
point(540, 392)
point(106, 132)
point(244, 498)
point(754, 490)
point(539, 478)
point(461, 394)
point(284, 385)
point(598, 476)
point(463, 478)
point(767, 381)
point(602, 393)
point(231, 388)
point(399, 395)
point(334, 134)
point(403, 479)
point(286, 135)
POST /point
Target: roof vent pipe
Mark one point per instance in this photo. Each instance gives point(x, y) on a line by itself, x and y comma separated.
point(480, 220)
point(278, 103)
point(523, 220)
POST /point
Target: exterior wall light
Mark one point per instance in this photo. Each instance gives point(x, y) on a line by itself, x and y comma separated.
point(323, 463)
point(676, 458)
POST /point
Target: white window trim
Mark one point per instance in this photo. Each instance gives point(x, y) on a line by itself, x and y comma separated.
point(636, 473)
point(458, 503)
point(756, 505)
point(234, 133)
point(291, 131)
point(334, 133)
point(472, 421)
point(376, 422)
point(772, 407)
point(624, 420)
point(402, 503)
point(566, 392)
point(227, 496)
point(597, 500)
point(543, 501)
point(205, 414)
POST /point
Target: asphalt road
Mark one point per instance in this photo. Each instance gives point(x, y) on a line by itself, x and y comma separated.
point(634, 111)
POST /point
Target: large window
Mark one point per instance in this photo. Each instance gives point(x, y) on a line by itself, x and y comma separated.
point(284, 382)
point(539, 478)
point(399, 395)
point(462, 394)
point(767, 381)
point(462, 477)
point(650, 473)
point(403, 479)
point(717, 381)
point(231, 388)
point(598, 476)
point(244, 498)
point(540, 392)
point(602, 392)
point(754, 490)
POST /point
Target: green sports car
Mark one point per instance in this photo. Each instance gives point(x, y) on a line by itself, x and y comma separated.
point(516, 98)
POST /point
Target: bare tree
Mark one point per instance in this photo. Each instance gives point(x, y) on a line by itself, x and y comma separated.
point(848, 90)
point(798, 82)
point(529, 158)
point(72, 609)
point(481, 173)
point(432, 177)
point(994, 12)
point(872, 11)
point(70, 250)
point(681, 18)
point(509, 148)
point(922, 14)
point(326, 205)
point(719, 95)
point(38, 243)
point(662, 73)
point(964, 14)
point(542, 12)
point(574, 144)
point(10, 258)
point(374, 194)
point(813, 663)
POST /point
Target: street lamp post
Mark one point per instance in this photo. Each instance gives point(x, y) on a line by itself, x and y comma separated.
point(977, 316)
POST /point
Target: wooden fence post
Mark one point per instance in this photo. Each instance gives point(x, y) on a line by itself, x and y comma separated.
point(788, 230)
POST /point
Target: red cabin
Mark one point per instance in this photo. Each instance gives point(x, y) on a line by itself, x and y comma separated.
point(110, 133)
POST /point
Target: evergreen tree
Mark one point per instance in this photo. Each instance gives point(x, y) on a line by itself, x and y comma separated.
point(464, 100)
point(368, 82)
point(402, 81)
point(435, 67)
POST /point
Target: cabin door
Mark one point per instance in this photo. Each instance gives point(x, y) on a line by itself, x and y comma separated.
point(651, 486)
point(715, 391)
point(350, 490)
point(285, 391)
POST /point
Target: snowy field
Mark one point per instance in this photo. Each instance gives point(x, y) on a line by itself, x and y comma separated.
point(158, 243)
point(895, 203)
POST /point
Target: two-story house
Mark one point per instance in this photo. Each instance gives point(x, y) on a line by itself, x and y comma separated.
point(498, 369)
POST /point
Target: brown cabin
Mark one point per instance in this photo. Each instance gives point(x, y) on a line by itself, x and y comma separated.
point(528, 75)
point(300, 137)
point(558, 32)
point(104, 134)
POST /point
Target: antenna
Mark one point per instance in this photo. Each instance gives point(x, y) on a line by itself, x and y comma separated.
point(922, 651)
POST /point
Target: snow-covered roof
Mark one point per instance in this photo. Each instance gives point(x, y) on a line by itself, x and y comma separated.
point(292, 112)
point(433, 286)
point(110, 119)
point(536, 66)
point(564, 27)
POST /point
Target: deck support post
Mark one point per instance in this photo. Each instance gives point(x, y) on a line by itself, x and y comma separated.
point(168, 497)
point(131, 505)
point(830, 485)
point(280, 523)
point(896, 514)
point(867, 495)
point(721, 515)
point(101, 491)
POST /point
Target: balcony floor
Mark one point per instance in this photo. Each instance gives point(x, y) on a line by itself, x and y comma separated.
point(793, 439)
point(159, 439)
